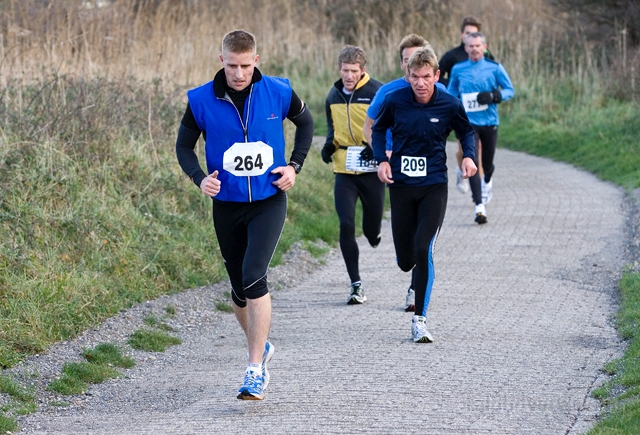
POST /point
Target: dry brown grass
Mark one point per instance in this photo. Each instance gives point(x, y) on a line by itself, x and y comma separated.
point(178, 41)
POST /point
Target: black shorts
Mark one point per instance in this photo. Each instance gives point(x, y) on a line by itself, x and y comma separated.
point(248, 233)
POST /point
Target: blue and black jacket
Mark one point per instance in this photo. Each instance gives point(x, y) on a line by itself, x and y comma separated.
point(421, 130)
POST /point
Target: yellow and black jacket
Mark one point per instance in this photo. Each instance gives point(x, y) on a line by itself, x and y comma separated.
point(345, 118)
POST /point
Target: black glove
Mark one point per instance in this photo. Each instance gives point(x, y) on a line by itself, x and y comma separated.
point(488, 97)
point(327, 151)
point(367, 153)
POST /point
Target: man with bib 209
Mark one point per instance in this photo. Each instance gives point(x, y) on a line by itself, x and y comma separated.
point(481, 84)
point(355, 171)
point(420, 118)
point(407, 46)
point(241, 114)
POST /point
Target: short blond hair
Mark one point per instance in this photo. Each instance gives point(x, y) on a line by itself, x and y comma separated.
point(239, 41)
point(423, 57)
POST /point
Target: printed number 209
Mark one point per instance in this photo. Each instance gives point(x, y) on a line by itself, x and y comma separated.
point(413, 165)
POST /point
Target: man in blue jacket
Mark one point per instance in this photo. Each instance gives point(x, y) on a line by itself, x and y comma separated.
point(420, 118)
point(241, 113)
point(481, 84)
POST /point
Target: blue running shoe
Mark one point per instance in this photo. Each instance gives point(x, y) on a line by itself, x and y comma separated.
point(253, 387)
point(266, 357)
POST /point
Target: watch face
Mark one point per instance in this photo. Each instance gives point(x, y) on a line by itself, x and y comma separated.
point(296, 167)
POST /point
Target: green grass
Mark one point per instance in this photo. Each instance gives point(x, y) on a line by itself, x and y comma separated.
point(67, 385)
point(98, 367)
point(621, 394)
point(89, 372)
point(22, 402)
point(223, 306)
point(152, 341)
point(108, 354)
point(97, 216)
point(13, 389)
point(601, 138)
point(7, 424)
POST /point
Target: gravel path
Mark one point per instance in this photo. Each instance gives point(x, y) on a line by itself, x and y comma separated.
point(520, 315)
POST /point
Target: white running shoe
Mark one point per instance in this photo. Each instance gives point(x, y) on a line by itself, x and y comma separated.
point(487, 190)
point(461, 183)
point(410, 301)
point(480, 214)
point(357, 295)
point(266, 357)
point(419, 331)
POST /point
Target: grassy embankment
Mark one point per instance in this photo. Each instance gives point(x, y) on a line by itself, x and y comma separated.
point(98, 216)
point(601, 137)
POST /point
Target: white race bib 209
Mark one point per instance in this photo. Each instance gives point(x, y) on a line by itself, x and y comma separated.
point(248, 159)
point(470, 103)
point(413, 166)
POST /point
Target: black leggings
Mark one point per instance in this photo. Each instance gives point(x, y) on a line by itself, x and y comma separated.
point(248, 233)
point(416, 217)
point(370, 190)
point(489, 137)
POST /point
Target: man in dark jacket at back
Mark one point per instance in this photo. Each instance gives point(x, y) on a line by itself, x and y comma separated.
point(469, 24)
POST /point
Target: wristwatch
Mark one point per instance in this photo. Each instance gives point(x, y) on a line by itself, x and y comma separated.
point(296, 167)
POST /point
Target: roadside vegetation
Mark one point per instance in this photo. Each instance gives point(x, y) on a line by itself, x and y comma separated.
point(96, 216)
point(100, 365)
point(600, 140)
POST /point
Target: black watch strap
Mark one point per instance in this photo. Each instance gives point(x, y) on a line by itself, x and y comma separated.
point(296, 167)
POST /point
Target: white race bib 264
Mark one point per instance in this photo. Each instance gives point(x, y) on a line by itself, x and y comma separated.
point(248, 159)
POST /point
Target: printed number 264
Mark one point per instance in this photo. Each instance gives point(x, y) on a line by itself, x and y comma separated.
point(247, 163)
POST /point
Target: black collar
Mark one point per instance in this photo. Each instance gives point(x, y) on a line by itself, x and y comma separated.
point(220, 86)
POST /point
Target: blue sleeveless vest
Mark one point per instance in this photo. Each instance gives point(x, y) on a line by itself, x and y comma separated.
point(265, 110)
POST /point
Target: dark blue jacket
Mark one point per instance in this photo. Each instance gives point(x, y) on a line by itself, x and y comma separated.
point(265, 110)
point(421, 130)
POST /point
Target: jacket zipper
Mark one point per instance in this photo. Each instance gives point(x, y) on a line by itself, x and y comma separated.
point(245, 129)
point(348, 103)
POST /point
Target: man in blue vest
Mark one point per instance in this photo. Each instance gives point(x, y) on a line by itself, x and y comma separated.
point(240, 114)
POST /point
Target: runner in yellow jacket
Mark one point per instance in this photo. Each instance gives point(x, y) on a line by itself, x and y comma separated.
point(353, 165)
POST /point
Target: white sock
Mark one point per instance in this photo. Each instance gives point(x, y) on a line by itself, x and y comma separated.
point(254, 367)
